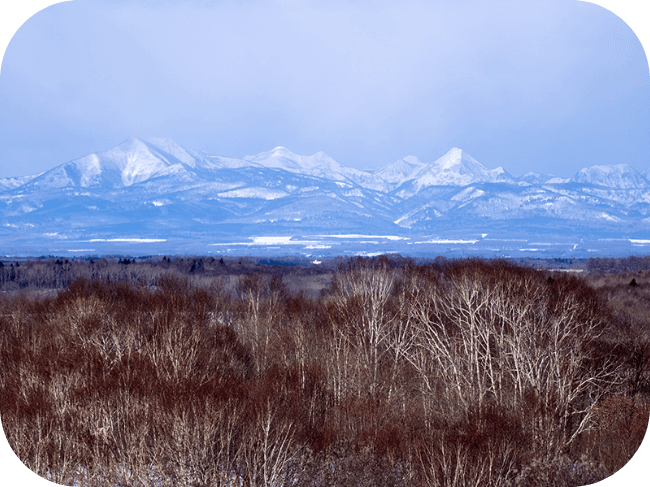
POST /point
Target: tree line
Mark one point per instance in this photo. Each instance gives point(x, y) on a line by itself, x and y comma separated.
point(455, 373)
point(633, 263)
point(57, 273)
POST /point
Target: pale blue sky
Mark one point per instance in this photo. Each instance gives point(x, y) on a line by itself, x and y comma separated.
point(543, 85)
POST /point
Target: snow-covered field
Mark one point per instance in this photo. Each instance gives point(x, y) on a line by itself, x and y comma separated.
point(449, 245)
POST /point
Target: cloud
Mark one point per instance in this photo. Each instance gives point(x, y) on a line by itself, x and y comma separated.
point(538, 85)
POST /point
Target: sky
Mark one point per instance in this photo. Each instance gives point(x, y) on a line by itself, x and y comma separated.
point(550, 86)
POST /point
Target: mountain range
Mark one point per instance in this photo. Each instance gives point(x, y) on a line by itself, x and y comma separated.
point(157, 189)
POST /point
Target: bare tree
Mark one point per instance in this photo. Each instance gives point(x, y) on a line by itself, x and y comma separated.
point(362, 321)
point(492, 333)
point(261, 299)
point(271, 457)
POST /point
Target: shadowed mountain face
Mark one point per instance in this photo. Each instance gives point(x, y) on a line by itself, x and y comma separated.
point(159, 188)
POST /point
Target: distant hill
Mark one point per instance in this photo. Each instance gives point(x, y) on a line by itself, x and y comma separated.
point(158, 189)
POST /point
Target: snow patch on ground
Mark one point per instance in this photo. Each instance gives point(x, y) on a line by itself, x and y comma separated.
point(130, 240)
point(447, 241)
point(262, 193)
point(388, 237)
point(272, 240)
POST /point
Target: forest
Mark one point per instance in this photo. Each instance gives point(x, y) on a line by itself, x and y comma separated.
point(381, 371)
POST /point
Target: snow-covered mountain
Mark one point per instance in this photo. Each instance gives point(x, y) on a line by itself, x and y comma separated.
point(402, 170)
point(131, 162)
point(534, 178)
point(319, 165)
point(159, 187)
point(618, 176)
point(11, 183)
point(455, 168)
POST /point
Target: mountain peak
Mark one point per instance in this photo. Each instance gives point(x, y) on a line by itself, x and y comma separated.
point(130, 162)
point(320, 164)
point(171, 147)
point(280, 151)
point(532, 177)
point(130, 146)
point(131, 142)
point(412, 160)
point(401, 170)
point(274, 154)
point(457, 168)
point(619, 176)
point(455, 156)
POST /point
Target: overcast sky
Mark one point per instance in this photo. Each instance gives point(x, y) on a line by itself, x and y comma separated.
point(538, 85)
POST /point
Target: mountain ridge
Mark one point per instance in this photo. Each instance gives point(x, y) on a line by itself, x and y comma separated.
point(158, 186)
point(454, 168)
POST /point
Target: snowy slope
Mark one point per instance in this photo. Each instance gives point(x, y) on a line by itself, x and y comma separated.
point(534, 178)
point(457, 168)
point(12, 183)
point(619, 176)
point(131, 162)
point(401, 170)
point(198, 160)
point(319, 165)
